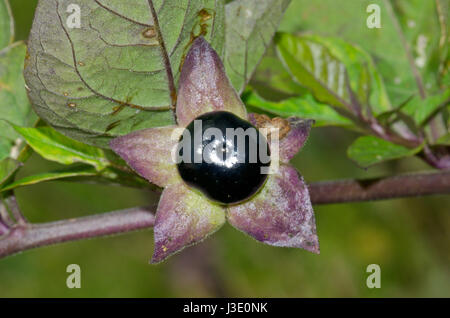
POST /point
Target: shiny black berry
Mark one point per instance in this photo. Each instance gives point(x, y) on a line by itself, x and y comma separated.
point(223, 156)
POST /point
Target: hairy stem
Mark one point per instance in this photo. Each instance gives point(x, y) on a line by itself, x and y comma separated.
point(21, 237)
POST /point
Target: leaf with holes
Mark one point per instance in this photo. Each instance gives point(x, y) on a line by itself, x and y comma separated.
point(115, 71)
point(336, 72)
point(251, 25)
point(369, 150)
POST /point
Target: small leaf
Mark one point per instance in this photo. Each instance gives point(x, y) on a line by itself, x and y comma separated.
point(118, 72)
point(6, 24)
point(7, 168)
point(443, 140)
point(250, 25)
point(56, 147)
point(333, 71)
point(303, 107)
point(370, 150)
point(72, 172)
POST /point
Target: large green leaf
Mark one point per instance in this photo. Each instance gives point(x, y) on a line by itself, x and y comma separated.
point(6, 24)
point(370, 150)
point(304, 106)
point(72, 172)
point(251, 25)
point(118, 72)
point(334, 71)
point(56, 147)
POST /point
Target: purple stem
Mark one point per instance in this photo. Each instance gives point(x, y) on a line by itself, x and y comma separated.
point(412, 185)
point(3, 228)
point(28, 236)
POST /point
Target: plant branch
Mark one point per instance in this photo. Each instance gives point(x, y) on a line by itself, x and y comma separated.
point(10, 203)
point(401, 186)
point(24, 237)
point(21, 237)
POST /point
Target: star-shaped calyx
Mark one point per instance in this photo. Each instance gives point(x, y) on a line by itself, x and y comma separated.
point(273, 206)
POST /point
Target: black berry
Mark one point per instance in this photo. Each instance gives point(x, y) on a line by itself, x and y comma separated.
point(224, 164)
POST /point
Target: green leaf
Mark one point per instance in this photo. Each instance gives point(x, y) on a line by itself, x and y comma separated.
point(422, 109)
point(446, 79)
point(250, 25)
point(6, 24)
point(56, 147)
point(420, 24)
point(118, 72)
point(72, 172)
point(117, 177)
point(345, 19)
point(5, 146)
point(330, 67)
point(303, 107)
point(443, 140)
point(14, 104)
point(370, 150)
point(7, 168)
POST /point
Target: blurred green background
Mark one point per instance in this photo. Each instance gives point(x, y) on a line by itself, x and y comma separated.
point(408, 238)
